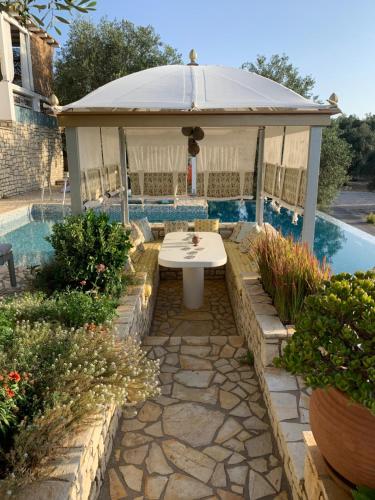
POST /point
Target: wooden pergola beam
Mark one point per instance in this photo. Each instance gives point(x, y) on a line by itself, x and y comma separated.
point(191, 119)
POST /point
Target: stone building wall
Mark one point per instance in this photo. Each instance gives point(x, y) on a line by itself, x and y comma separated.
point(29, 152)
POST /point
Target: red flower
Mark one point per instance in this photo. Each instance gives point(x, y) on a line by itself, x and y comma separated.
point(15, 376)
point(101, 268)
point(9, 392)
point(1, 378)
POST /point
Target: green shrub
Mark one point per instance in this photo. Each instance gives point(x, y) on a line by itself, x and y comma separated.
point(65, 377)
point(334, 342)
point(371, 218)
point(71, 308)
point(289, 272)
point(90, 253)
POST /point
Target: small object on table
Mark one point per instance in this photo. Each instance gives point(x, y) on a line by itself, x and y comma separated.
point(176, 254)
point(6, 256)
point(195, 240)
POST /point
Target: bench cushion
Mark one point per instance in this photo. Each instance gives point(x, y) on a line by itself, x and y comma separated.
point(209, 225)
point(147, 262)
point(241, 264)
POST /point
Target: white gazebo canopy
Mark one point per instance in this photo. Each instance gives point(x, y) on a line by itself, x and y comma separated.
point(133, 126)
point(193, 88)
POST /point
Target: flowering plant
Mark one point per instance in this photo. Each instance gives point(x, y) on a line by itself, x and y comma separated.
point(90, 253)
point(74, 375)
point(12, 391)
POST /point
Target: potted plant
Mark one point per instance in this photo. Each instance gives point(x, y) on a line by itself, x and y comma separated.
point(333, 348)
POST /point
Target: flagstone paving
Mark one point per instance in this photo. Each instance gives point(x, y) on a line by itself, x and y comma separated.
point(206, 436)
point(22, 275)
point(215, 317)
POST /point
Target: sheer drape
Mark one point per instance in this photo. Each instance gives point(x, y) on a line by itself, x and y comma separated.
point(285, 159)
point(225, 164)
point(157, 161)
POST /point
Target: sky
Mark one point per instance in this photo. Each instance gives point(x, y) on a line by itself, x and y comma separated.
point(333, 40)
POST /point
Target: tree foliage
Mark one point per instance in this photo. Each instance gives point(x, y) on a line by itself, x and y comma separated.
point(97, 54)
point(47, 13)
point(360, 134)
point(279, 69)
point(336, 157)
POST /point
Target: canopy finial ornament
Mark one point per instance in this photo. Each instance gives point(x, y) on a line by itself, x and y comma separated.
point(193, 58)
point(333, 99)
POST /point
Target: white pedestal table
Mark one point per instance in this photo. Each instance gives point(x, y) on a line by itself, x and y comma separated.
point(178, 251)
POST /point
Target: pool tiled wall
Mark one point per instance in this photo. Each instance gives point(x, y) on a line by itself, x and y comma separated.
point(154, 212)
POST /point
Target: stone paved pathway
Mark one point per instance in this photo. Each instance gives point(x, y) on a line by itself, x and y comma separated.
point(207, 436)
point(21, 276)
point(213, 318)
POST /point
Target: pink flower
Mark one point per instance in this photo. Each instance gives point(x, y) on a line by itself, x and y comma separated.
point(82, 283)
point(101, 268)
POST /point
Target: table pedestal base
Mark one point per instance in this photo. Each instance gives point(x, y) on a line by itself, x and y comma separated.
point(193, 283)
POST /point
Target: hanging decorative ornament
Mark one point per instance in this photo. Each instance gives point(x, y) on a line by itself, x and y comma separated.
point(198, 134)
point(187, 131)
point(295, 219)
point(193, 147)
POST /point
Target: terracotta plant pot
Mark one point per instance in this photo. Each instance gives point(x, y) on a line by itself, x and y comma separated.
point(345, 434)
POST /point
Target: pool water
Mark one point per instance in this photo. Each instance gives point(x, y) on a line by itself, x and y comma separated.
point(347, 249)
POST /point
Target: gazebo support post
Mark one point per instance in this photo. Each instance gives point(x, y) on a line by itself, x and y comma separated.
point(312, 184)
point(72, 147)
point(123, 177)
point(259, 208)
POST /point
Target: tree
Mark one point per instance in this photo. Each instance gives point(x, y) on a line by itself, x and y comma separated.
point(97, 54)
point(279, 69)
point(50, 12)
point(360, 134)
point(336, 158)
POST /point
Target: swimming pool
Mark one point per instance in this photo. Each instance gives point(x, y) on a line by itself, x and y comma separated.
point(347, 249)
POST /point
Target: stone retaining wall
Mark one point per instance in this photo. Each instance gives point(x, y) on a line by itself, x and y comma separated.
point(286, 396)
point(256, 318)
point(319, 484)
point(80, 472)
point(29, 153)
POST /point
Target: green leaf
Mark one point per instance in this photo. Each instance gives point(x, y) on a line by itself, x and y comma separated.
point(62, 19)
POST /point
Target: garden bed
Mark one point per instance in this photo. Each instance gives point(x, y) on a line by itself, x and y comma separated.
point(70, 356)
point(79, 473)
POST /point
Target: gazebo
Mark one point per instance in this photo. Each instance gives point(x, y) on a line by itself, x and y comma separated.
point(142, 126)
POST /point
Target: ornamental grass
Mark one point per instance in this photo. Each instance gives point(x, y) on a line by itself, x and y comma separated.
point(289, 272)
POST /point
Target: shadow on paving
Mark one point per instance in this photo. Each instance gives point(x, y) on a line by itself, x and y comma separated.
point(208, 434)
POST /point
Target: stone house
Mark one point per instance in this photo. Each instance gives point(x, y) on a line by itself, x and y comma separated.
point(30, 140)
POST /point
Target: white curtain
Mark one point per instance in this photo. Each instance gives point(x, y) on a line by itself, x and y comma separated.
point(227, 161)
point(228, 150)
point(296, 147)
point(273, 145)
point(285, 159)
point(111, 147)
point(91, 161)
point(156, 150)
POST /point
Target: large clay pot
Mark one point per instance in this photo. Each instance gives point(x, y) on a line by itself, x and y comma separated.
point(345, 434)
